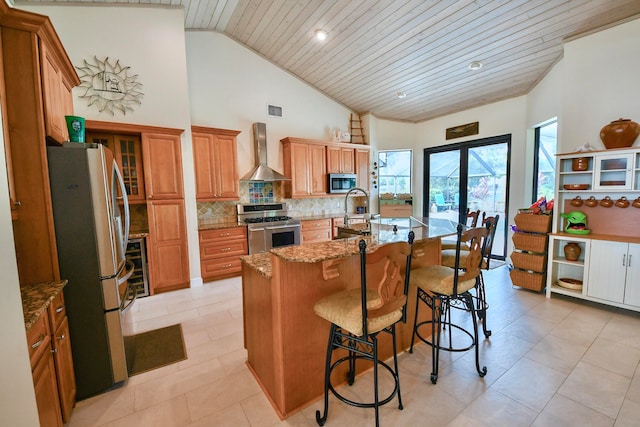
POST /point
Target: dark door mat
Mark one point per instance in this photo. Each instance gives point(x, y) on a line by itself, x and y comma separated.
point(154, 349)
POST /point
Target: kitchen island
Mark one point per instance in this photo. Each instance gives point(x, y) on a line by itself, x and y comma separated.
point(285, 341)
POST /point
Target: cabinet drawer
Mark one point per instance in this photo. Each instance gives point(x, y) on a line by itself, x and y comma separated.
point(526, 261)
point(223, 249)
point(530, 242)
point(527, 280)
point(314, 224)
point(321, 235)
point(220, 267)
point(57, 311)
point(223, 234)
point(38, 339)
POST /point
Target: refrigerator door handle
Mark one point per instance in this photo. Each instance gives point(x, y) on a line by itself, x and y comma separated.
point(125, 200)
point(126, 302)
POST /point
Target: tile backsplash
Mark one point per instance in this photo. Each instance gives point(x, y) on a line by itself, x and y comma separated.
point(270, 192)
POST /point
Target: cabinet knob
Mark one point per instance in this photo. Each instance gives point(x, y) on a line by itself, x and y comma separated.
point(60, 309)
point(624, 260)
point(17, 203)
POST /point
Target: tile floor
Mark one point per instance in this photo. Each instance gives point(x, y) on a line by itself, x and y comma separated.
point(551, 362)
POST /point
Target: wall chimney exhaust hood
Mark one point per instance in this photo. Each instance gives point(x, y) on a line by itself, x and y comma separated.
point(262, 172)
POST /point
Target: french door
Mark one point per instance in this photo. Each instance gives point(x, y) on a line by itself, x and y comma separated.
point(470, 175)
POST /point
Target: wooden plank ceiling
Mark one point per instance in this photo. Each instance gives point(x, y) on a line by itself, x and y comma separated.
point(378, 48)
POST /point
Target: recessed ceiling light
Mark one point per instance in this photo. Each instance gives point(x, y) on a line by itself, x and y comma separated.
point(401, 95)
point(321, 34)
point(475, 65)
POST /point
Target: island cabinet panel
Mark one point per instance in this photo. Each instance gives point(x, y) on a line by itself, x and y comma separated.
point(220, 252)
point(168, 252)
point(286, 341)
point(216, 163)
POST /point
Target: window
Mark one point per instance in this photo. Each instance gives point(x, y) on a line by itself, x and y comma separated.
point(544, 162)
point(394, 171)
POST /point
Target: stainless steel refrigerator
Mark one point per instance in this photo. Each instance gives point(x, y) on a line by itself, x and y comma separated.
point(91, 215)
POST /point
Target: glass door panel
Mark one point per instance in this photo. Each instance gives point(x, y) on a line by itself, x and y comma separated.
point(471, 175)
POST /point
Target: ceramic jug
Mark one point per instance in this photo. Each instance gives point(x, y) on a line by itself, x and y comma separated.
point(622, 202)
point(572, 251)
point(591, 202)
point(576, 201)
point(606, 202)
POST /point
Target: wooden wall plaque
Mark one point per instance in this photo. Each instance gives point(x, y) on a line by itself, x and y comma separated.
point(463, 130)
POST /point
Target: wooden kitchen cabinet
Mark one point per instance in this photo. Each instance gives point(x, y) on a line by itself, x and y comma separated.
point(220, 251)
point(44, 374)
point(216, 164)
point(305, 164)
point(363, 168)
point(161, 167)
point(615, 277)
point(340, 160)
point(28, 114)
point(56, 91)
point(167, 250)
point(316, 230)
point(62, 356)
point(162, 159)
point(127, 150)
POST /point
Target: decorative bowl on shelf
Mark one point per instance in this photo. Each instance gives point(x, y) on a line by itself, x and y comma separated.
point(576, 186)
point(569, 283)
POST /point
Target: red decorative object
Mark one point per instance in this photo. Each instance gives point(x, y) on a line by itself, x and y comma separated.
point(620, 133)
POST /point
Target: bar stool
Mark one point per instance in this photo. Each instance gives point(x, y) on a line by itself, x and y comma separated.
point(449, 256)
point(358, 315)
point(472, 222)
point(442, 289)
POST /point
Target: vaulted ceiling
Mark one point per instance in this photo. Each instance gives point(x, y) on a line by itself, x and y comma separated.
point(376, 49)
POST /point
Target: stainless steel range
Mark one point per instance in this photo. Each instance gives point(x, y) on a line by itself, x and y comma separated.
point(269, 226)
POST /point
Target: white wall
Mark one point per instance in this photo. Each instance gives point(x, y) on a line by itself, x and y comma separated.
point(500, 118)
point(600, 84)
point(17, 398)
point(230, 87)
point(151, 42)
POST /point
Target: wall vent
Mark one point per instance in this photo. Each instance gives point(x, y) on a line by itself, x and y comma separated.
point(274, 111)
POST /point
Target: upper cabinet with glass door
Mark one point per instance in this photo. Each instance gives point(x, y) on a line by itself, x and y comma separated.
point(128, 154)
point(614, 172)
point(600, 171)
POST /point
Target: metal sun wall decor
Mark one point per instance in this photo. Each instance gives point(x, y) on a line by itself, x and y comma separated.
point(110, 87)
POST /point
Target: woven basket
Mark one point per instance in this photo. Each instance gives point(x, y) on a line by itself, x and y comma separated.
point(530, 242)
point(527, 280)
point(533, 223)
point(526, 261)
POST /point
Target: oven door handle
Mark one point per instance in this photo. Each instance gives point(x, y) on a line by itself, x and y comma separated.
point(280, 227)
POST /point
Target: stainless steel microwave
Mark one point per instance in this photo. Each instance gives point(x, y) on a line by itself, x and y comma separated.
point(341, 182)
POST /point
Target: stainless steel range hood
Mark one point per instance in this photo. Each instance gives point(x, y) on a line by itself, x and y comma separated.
point(262, 172)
